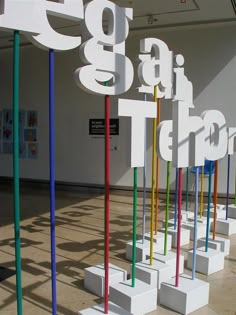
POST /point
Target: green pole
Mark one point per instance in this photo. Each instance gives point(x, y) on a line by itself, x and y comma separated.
point(16, 65)
point(167, 206)
point(134, 225)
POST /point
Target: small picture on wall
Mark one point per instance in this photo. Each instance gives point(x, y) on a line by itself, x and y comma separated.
point(7, 117)
point(22, 151)
point(7, 133)
point(32, 150)
point(7, 147)
point(32, 119)
point(30, 135)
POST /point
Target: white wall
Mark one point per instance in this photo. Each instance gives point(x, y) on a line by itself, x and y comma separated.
point(210, 62)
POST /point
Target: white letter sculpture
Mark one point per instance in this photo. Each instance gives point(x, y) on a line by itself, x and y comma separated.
point(157, 70)
point(31, 17)
point(103, 64)
point(138, 111)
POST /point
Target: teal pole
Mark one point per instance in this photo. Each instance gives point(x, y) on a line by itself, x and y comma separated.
point(16, 65)
point(134, 226)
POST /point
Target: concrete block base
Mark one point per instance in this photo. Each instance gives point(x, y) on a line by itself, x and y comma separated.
point(219, 206)
point(142, 250)
point(220, 213)
point(153, 274)
point(201, 229)
point(207, 262)
point(190, 295)
point(159, 240)
point(139, 300)
point(232, 211)
point(219, 244)
point(99, 309)
point(226, 227)
point(185, 236)
point(170, 259)
point(94, 278)
point(185, 215)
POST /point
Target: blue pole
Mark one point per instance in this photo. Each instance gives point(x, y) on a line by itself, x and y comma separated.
point(144, 178)
point(195, 224)
point(227, 196)
point(52, 180)
point(176, 197)
point(208, 207)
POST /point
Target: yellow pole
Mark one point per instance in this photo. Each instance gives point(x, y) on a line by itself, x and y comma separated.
point(154, 138)
point(202, 191)
point(157, 169)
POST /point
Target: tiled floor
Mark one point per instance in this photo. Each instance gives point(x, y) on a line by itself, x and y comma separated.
point(79, 231)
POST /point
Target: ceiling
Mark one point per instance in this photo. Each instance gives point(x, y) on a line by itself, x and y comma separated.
point(150, 14)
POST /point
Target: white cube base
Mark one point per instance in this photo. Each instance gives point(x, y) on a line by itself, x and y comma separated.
point(201, 229)
point(232, 211)
point(219, 206)
point(99, 309)
point(153, 274)
point(94, 278)
point(139, 300)
point(219, 244)
point(185, 215)
point(159, 240)
point(220, 213)
point(207, 262)
point(185, 236)
point(190, 295)
point(200, 220)
point(170, 259)
point(142, 250)
point(226, 227)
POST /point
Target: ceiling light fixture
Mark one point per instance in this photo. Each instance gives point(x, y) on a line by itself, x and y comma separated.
point(183, 1)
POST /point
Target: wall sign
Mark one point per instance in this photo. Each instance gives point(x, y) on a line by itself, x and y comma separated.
point(97, 127)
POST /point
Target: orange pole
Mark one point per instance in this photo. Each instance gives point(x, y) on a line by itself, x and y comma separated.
point(157, 169)
point(215, 198)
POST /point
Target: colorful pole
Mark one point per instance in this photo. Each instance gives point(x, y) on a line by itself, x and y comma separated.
point(52, 180)
point(179, 226)
point(167, 205)
point(157, 169)
point(154, 129)
point(176, 197)
point(16, 75)
point(144, 179)
point(195, 224)
point(107, 200)
point(202, 193)
point(215, 198)
point(208, 207)
point(187, 180)
point(134, 226)
point(227, 195)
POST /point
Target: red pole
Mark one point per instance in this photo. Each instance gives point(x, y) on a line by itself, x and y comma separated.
point(107, 198)
point(179, 228)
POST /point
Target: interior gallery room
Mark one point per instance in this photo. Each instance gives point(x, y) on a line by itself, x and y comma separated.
point(117, 157)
